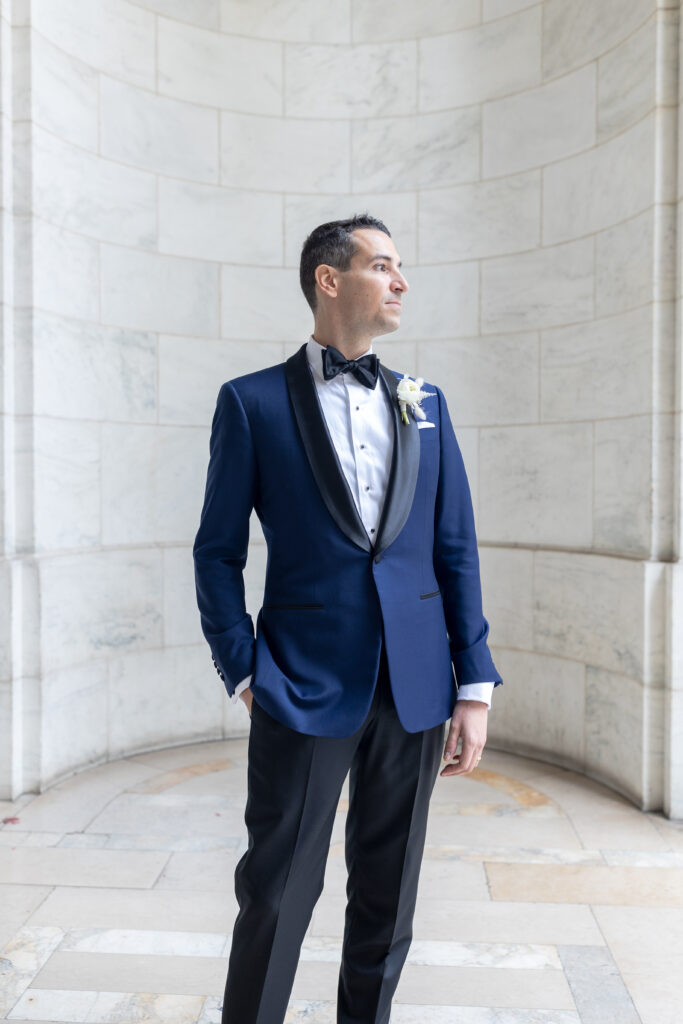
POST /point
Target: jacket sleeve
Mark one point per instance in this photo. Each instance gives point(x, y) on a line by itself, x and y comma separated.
point(221, 543)
point(456, 563)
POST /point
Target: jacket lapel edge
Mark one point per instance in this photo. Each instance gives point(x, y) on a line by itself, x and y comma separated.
point(320, 451)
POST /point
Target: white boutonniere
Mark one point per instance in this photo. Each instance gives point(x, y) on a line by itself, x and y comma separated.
point(410, 394)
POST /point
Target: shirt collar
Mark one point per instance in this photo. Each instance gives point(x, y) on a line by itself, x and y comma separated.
point(314, 353)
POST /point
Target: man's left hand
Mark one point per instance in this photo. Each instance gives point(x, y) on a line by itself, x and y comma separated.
point(468, 722)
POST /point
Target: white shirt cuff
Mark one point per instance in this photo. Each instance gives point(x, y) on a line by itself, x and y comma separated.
point(242, 685)
point(476, 691)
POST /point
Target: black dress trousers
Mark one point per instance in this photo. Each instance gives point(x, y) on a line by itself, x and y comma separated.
point(294, 785)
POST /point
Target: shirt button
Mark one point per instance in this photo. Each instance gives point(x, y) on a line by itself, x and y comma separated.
point(362, 446)
point(367, 487)
point(357, 408)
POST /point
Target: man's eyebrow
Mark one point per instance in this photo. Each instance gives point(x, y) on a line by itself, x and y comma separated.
point(384, 256)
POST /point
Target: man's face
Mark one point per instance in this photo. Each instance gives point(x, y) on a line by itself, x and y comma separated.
point(368, 295)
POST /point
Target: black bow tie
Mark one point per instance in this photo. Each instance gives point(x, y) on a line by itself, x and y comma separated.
point(364, 369)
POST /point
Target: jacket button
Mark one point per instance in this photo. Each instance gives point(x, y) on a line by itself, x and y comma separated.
point(378, 558)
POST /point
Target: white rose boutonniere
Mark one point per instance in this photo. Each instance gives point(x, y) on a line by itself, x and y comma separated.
point(410, 394)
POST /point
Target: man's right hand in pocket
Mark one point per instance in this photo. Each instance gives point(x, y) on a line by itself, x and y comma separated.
point(247, 696)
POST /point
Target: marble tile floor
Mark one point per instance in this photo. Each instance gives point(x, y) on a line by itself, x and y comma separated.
point(544, 898)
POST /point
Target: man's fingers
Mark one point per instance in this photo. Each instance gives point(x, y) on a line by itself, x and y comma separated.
point(463, 766)
point(452, 741)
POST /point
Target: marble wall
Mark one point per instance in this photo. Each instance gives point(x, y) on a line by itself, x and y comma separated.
point(163, 162)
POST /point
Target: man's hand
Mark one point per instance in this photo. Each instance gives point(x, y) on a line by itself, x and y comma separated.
point(469, 723)
point(247, 696)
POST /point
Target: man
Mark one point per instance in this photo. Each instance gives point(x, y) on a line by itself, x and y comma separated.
point(372, 597)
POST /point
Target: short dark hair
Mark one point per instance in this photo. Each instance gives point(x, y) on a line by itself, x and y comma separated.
point(332, 243)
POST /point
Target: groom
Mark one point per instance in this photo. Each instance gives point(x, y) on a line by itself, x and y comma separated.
point(372, 604)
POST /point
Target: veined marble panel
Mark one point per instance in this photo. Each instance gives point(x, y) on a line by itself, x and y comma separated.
point(211, 222)
point(543, 288)
point(7, 759)
point(66, 477)
point(623, 715)
point(160, 693)
point(255, 569)
point(427, 314)
point(86, 370)
point(295, 20)
point(192, 370)
point(628, 78)
point(204, 66)
point(152, 483)
point(605, 185)
point(591, 608)
point(180, 296)
point(489, 380)
point(99, 603)
point(91, 195)
point(542, 707)
point(5, 620)
point(181, 616)
point(409, 21)
point(599, 369)
point(197, 12)
point(539, 125)
point(284, 154)
point(535, 484)
point(623, 485)
point(158, 133)
point(63, 94)
point(664, 270)
point(502, 8)
point(302, 213)
point(426, 150)
point(262, 304)
point(624, 259)
point(507, 593)
point(489, 218)
point(65, 272)
point(15, 102)
point(480, 63)
point(112, 36)
point(27, 233)
point(374, 80)
point(574, 33)
point(73, 718)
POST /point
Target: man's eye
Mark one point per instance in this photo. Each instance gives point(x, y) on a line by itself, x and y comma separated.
point(380, 265)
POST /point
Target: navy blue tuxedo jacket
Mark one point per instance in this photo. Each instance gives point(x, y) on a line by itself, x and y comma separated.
point(328, 592)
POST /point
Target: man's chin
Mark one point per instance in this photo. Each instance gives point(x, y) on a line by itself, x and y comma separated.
point(388, 326)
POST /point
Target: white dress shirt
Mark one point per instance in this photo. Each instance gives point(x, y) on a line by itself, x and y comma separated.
point(360, 423)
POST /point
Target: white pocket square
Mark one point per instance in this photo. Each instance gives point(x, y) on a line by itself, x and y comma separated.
point(422, 424)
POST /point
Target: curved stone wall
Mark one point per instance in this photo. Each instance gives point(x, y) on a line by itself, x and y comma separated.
point(172, 158)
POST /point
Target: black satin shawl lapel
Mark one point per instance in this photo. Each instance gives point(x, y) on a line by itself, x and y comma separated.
point(405, 464)
point(320, 450)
